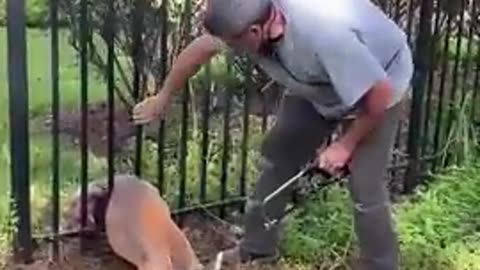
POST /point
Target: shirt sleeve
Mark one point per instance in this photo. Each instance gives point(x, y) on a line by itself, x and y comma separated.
point(349, 65)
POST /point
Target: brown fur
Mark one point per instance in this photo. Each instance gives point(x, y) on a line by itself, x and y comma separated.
point(97, 200)
point(140, 229)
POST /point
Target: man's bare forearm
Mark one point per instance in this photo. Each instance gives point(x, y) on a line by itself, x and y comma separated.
point(372, 112)
point(189, 61)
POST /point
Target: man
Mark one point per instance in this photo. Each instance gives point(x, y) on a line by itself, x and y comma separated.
point(335, 58)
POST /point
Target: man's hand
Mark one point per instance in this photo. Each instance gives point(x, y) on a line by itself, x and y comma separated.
point(373, 107)
point(334, 157)
point(151, 108)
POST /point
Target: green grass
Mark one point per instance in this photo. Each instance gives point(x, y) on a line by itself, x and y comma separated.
point(438, 227)
point(39, 83)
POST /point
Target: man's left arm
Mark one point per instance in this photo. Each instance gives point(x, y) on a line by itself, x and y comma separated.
point(359, 80)
point(372, 109)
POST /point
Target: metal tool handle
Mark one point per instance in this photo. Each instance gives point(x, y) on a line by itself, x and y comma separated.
point(310, 169)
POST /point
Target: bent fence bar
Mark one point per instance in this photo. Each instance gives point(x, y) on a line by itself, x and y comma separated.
point(444, 91)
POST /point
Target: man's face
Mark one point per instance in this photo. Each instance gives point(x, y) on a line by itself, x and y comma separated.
point(251, 40)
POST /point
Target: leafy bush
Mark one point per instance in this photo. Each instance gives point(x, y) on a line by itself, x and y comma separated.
point(438, 227)
point(36, 11)
point(3, 15)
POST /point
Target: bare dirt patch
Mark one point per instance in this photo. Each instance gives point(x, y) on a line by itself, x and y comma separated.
point(70, 124)
point(207, 235)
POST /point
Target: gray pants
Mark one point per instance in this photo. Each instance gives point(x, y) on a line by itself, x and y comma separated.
point(297, 133)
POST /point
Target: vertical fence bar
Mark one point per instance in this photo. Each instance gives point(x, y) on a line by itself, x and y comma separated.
point(431, 80)
point(226, 140)
point(55, 128)
point(161, 129)
point(137, 30)
point(264, 112)
point(84, 111)
point(185, 116)
point(421, 66)
point(397, 18)
point(205, 135)
point(476, 81)
point(455, 73)
point(110, 92)
point(443, 75)
point(19, 130)
point(161, 157)
point(246, 125)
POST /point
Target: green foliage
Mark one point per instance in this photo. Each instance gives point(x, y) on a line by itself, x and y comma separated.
point(40, 144)
point(438, 227)
point(461, 142)
point(36, 12)
point(41, 148)
point(214, 161)
point(321, 231)
point(3, 12)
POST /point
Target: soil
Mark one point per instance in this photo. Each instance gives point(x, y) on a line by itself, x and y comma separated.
point(97, 127)
point(207, 236)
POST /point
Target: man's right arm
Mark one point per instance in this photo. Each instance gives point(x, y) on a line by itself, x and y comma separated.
point(190, 60)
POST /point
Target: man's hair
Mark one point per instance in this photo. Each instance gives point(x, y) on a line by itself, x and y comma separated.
point(231, 17)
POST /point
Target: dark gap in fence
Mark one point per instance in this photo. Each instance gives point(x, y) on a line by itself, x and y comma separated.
point(418, 83)
point(161, 157)
point(226, 138)
point(163, 74)
point(476, 83)
point(84, 36)
point(397, 143)
point(138, 59)
point(205, 134)
point(110, 92)
point(466, 86)
point(398, 11)
point(443, 75)
point(431, 81)
point(19, 128)
point(467, 59)
point(383, 5)
point(454, 87)
point(55, 128)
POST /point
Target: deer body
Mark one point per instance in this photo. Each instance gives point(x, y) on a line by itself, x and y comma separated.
point(140, 229)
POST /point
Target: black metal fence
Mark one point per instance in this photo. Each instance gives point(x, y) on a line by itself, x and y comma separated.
point(444, 35)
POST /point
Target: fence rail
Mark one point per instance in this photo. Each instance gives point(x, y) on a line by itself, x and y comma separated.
point(432, 29)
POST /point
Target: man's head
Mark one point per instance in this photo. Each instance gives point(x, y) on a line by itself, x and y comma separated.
point(242, 24)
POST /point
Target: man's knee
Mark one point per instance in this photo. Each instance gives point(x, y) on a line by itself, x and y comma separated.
point(368, 193)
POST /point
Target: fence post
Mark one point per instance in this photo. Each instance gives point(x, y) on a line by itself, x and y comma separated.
point(18, 113)
point(421, 61)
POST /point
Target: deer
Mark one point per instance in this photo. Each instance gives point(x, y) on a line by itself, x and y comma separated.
point(139, 226)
